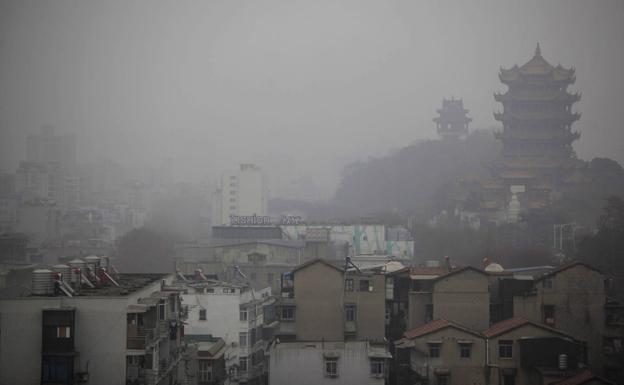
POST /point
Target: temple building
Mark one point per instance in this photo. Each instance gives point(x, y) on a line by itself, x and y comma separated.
point(452, 122)
point(537, 158)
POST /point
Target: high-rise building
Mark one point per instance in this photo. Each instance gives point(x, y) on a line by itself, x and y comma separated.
point(452, 122)
point(242, 193)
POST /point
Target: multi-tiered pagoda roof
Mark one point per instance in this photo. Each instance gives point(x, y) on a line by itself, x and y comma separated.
point(452, 120)
point(537, 137)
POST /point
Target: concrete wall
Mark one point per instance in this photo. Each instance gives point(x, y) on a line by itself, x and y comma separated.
point(222, 314)
point(318, 297)
point(462, 370)
point(578, 295)
point(99, 335)
point(464, 298)
point(370, 305)
point(303, 364)
point(418, 302)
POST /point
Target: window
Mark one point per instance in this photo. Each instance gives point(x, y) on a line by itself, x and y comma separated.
point(331, 367)
point(232, 192)
point(378, 367)
point(232, 208)
point(505, 349)
point(242, 339)
point(349, 284)
point(548, 311)
point(364, 285)
point(429, 312)
point(243, 315)
point(288, 313)
point(442, 380)
point(547, 283)
point(202, 314)
point(210, 290)
point(204, 370)
point(63, 332)
point(350, 312)
point(227, 290)
point(232, 200)
point(161, 311)
point(464, 350)
point(434, 350)
point(242, 364)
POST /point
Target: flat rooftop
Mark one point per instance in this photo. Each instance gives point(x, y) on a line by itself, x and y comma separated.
point(128, 284)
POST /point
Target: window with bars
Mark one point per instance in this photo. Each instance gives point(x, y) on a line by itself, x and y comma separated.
point(505, 349)
point(288, 313)
point(242, 364)
point(331, 367)
point(242, 339)
point(204, 371)
point(378, 367)
point(434, 350)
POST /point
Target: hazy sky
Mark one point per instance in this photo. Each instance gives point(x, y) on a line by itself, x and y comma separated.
point(300, 87)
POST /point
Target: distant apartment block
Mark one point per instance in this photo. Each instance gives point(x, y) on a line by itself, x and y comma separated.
point(242, 193)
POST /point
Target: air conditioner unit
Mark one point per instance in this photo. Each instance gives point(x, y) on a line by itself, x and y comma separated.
point(550, 321)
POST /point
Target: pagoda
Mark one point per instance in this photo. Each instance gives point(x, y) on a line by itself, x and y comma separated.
point(537, 155)
point(452, 122)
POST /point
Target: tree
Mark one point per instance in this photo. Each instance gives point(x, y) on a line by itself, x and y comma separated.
point(605, 248)
point(146, 251)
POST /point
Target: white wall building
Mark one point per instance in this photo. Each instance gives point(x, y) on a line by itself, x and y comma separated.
point(126, 334)
point(243, 192)
point(231, 312)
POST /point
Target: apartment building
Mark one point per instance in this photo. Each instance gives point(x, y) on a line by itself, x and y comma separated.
point(442, 352)
point(328, 326)
point(571, 298)
point(84, 325)
point(513, 352)
point(233, 313)
point(242, 193)
point(422, 294)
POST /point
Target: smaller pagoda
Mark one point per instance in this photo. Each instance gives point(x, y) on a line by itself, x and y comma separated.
point(453, 120)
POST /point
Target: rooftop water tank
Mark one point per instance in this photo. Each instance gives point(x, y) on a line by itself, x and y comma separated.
point(79, 263)
point(64, 270)
point(42, 282)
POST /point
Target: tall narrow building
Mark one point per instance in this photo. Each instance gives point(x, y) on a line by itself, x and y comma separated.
point(241, 193)
point(537, 155)
point(453, 120)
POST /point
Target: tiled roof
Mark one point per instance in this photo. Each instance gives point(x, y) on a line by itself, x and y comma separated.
point(505, 326)
point(516, 322)
point(434, 326)
point(427, 328)
point(581, 378)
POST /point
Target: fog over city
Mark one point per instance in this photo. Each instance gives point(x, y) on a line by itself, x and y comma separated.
point(311, 192)
point(301, 88)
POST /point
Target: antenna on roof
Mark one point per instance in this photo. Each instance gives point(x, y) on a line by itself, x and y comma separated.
point(538, 51)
